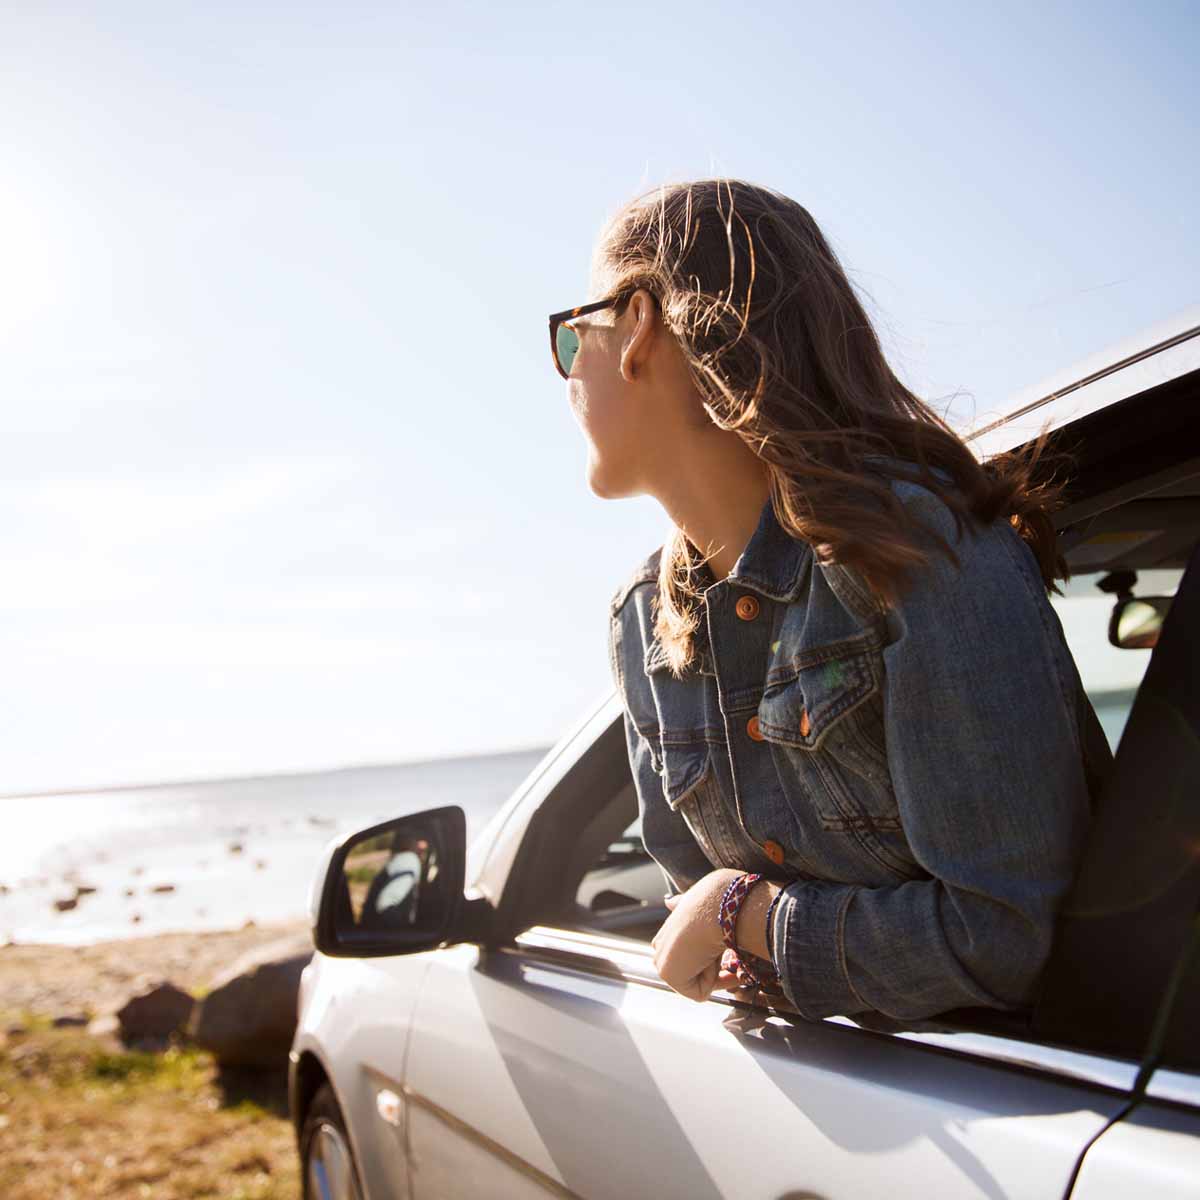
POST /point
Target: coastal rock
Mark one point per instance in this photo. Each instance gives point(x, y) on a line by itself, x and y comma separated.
point(248, 1017)
point(157, 1013)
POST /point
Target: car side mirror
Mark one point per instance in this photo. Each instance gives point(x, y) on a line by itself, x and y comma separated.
point(1137, 621)
point(396, 888)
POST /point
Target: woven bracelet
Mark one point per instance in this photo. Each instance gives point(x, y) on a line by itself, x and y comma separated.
point(750, 970)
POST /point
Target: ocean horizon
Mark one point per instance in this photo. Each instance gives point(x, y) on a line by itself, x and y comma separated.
point(212, 853)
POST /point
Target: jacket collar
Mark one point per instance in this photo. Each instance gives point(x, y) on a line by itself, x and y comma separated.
point(774, 563)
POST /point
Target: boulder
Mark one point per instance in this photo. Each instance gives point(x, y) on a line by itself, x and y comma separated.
point(248, 1017)
point(160, 1011)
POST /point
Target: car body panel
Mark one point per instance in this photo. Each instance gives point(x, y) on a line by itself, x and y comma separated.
point(1153, 1152)
point(355, 1018)
point(611, 1088)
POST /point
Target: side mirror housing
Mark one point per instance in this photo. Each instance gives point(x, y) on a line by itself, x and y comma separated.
point(397, 888)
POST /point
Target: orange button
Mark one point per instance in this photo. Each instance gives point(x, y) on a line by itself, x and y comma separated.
point(752, 728)
point(774, 851)
point(804, 722)
point(746, 608)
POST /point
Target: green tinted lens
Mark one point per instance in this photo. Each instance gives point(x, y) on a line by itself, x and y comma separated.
point(566, 343)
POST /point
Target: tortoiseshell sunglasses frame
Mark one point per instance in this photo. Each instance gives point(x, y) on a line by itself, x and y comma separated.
point(559, 318)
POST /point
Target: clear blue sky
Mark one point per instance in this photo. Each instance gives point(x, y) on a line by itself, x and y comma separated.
point(289, 478)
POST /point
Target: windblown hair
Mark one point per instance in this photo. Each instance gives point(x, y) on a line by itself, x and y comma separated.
point(782, 352)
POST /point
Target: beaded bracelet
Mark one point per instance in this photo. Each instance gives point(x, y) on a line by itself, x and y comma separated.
point(750, 970)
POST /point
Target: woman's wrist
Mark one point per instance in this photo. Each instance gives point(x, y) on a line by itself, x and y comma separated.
point(751, 929)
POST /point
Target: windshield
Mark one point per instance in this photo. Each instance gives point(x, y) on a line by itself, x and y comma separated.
point(1110, 675)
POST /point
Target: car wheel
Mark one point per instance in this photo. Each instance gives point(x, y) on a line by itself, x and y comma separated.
point(325, 1155)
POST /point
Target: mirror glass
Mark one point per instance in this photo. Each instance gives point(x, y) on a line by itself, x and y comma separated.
point(392, 882)
point(1137, 621)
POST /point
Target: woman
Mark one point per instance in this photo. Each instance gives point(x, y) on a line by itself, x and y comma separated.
point(862, 751)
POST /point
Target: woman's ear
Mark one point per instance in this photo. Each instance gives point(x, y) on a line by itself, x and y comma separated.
point(640, 314)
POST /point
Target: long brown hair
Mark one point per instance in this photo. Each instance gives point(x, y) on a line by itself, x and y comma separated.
point(782, 352)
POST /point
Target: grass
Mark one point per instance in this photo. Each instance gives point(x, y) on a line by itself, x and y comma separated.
point(82, 1118)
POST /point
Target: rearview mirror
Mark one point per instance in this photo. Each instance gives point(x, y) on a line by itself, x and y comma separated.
point(395, 888)
point(1137, 621)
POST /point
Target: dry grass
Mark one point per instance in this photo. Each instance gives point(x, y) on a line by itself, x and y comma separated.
point(81, 1117)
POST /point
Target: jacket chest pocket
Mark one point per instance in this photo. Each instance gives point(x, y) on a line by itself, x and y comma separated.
point(825, 727)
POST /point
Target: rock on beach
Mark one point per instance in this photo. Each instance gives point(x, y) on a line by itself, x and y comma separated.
point(248, 1017)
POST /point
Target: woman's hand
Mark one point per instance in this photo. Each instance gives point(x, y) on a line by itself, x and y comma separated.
point(688, 945)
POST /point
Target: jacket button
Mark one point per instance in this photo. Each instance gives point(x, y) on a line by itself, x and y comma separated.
point(746, 608)
point(774, 852)
point(804, 726)
point(752, 728)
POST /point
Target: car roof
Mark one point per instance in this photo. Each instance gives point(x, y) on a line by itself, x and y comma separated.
point(1156, 355)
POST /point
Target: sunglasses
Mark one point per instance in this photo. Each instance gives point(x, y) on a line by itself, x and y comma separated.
point(564, 338)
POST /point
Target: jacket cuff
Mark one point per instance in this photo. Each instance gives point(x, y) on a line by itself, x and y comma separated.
point(808, 935)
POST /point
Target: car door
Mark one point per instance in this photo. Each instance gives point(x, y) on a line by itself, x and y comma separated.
point(560, 1064)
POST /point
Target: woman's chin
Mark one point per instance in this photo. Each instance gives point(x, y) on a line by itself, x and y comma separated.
point(598, 479)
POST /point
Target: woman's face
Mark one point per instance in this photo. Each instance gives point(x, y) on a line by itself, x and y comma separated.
point(618, 395)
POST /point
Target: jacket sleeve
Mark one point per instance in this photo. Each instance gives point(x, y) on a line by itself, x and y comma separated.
point(665, 834)
point(980, 725)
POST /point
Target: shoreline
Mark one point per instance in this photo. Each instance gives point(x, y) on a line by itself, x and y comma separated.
point(48, 979)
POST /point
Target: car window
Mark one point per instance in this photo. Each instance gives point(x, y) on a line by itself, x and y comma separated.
point(621, 889)
point(1110, 675)
point(622, 876)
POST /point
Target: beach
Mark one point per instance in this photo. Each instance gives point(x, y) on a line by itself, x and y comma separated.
point(105, 894)
point(88, 867)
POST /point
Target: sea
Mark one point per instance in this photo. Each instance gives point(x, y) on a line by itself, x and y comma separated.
point(212, 854)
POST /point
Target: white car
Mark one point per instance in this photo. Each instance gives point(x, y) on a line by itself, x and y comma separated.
point(499, 1030)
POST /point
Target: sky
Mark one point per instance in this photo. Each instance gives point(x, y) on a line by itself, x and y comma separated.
point(290, 479)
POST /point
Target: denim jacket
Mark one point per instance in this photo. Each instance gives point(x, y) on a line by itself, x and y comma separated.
point(921, 778)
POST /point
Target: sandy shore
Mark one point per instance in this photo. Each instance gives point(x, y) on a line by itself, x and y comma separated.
point(87, 980)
